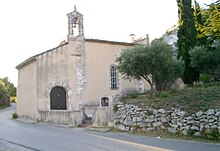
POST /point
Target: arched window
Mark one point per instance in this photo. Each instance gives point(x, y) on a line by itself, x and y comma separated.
point(113, 77)
point(104, 101)
point(58, 98)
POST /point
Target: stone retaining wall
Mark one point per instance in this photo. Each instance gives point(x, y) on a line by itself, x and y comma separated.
point(131, 117)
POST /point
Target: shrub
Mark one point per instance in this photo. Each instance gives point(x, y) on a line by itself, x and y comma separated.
point(115, 108)
point(191, 132)
point(211, 134)
point(204, 78)
point(14, 115)
point(133, 95)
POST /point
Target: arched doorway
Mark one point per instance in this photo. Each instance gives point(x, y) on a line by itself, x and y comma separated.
point(58, 98)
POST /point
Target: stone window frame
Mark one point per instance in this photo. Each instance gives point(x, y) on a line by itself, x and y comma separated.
point(104, 102)
point(113, 77)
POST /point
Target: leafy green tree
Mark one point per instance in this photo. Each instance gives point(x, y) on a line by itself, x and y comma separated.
point(9, 87)
point(187, 37)
point(3, 90)
point(199, 17)
point(205, 60)
point(211, 27)
point(154, 63)
point(207, 21)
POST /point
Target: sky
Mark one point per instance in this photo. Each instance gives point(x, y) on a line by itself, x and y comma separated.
point(29, 27)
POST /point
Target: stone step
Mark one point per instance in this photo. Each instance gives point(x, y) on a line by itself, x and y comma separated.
point(87, 121)
point(85, 125)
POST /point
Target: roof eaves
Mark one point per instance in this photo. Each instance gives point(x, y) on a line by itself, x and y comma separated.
point(33, 58)
point(110, 42)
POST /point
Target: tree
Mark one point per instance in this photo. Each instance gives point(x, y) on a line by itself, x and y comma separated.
point(211, 27)
point(153, 63)
point(199, 23)
point(206, 60)
point(9, 88)
point(187, 36)
point(3, 90)
point(207, 23)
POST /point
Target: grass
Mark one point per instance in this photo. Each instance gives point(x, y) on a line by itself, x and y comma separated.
point(192, 99)
point(3, 106)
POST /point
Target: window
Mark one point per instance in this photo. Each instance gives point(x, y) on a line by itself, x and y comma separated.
point(104, 101)
point(58, 98)
point(113, 77)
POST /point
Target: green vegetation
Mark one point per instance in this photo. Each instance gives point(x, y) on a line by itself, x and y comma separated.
point(115, 108)
point(7, 89)
point(210, 26)
point(153, 63)
point(191, 99)
point(187, 39)
point(10, 88)
point(14, 115)
point(4, 106)
point(207, 61)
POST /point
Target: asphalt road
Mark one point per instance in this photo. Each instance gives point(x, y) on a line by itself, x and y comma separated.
point(26, 136)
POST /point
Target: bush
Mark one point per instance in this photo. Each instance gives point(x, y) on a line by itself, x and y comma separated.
point(204, 78)
point(133, 95)
point(191, 132)
point(211, 134)
point(115, 108)
point(14, 115)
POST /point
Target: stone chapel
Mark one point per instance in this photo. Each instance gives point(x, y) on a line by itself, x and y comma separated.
point(75, 80)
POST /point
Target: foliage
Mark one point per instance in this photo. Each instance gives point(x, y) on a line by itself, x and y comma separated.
point(3, 90)
point(206, 61)
point(187, 39)
point(191, 132)
point(153, 63)
point(132, 95)
point(191, 99)
point(4, 106)
point(211, 134)
point(204, 78)
point(7, 88)
point(200, 23)
point(211, 26)
point(14, 115)
point(115, 108)
point(166, 69)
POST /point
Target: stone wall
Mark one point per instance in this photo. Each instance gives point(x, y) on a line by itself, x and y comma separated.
point(72, 118)
point(131, 117)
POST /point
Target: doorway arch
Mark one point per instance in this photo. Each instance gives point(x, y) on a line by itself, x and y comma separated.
point(58, 98)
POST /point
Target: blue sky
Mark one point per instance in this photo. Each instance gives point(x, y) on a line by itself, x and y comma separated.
point(29, 27)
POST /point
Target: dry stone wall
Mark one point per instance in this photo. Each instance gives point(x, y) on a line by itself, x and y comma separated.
point(131, 117)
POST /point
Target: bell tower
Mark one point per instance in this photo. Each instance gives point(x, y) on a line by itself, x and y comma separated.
point(75, 25)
